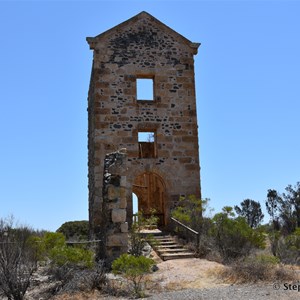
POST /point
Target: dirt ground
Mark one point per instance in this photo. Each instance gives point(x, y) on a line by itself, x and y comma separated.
point(187, 278)
point(187, 273)
point(171, 275)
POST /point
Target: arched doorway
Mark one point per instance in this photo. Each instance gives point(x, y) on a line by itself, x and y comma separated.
point(150, 190)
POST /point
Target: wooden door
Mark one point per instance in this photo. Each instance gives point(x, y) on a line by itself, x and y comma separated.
point(150, 190)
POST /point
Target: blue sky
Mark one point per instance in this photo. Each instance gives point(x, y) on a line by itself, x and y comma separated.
point(247, 85)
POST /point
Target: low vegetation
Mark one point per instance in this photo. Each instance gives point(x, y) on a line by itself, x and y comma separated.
point(138, 241)
point(18, 260)
point(233, 237)
point(258, 268)
point(284, 231)
point(224, 236)
point(251, 252)
point(229, 235)
point(134, 269)
point(70, 269)
point(75, 230)
point(22, 250)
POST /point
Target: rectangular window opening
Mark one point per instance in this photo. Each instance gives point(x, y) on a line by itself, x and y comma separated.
point(144, 89)
point(147, 144)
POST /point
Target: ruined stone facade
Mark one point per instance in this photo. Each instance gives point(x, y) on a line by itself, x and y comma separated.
point(166, 165)
point(113, 233)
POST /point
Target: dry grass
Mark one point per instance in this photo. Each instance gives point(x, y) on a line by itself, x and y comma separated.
point(78, 296)
point(256, 271)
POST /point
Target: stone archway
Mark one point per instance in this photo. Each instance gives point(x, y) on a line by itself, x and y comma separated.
point(150, 190)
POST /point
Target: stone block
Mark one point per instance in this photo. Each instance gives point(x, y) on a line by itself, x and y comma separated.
point(123, 181)
point(191, 167)
point(118, 215)
point(113, 192)
point(185, 160)
point(122, 202)
point(118, 239)
point(124, 227)
point(113, 205)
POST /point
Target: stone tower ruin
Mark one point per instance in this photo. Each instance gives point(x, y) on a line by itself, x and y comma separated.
point(142, 98)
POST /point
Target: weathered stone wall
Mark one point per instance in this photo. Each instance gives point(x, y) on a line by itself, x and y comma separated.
point(113, 231)
point(143, 47)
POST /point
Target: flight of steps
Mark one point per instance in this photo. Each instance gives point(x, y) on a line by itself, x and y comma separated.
point(167, 247)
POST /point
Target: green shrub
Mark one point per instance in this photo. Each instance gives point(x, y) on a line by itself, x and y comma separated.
point(66, 262)
point(293, 240)
point(190, 211)
point(53, 246)
point(288, 248)
point(234, 237)
point(182, 214)
point(53, 239)
point(43, 245)
point(67, 255)
point(267, 259)
point(75, 230)
point(152, 220)
point(133, 269)
point(137, 241)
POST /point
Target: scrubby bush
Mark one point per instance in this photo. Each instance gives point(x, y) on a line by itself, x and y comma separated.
point(18, 260)
point(288, 248)
point(52, 246)
point(257, 268)
point(52, 240)
point(234, 238)
point(137, 240)
point(83, 279)
point(190, 210)
point(75, 230)
point(71, 256)
point(65, 261)
point(151, 220)
point(133, 269)
point(231, 236)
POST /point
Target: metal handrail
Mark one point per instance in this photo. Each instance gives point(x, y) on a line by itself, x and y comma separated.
point(189, 229)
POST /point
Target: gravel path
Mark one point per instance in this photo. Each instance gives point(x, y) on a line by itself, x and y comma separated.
point(232, 292)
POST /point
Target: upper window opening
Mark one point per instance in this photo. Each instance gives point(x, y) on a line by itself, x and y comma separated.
point(147, 137)
point(147, 144)
point(144, 89)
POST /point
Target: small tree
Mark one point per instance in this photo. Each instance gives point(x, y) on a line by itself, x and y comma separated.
point(251, 211)
point(18, 259)
point(292, 204)
point(284, 209)
point(137, 241)
point(133, 269)
point(190, 211)
point(273, 204)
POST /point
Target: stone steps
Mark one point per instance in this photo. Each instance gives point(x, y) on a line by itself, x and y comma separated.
point(171, 250)
point(167, 247)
